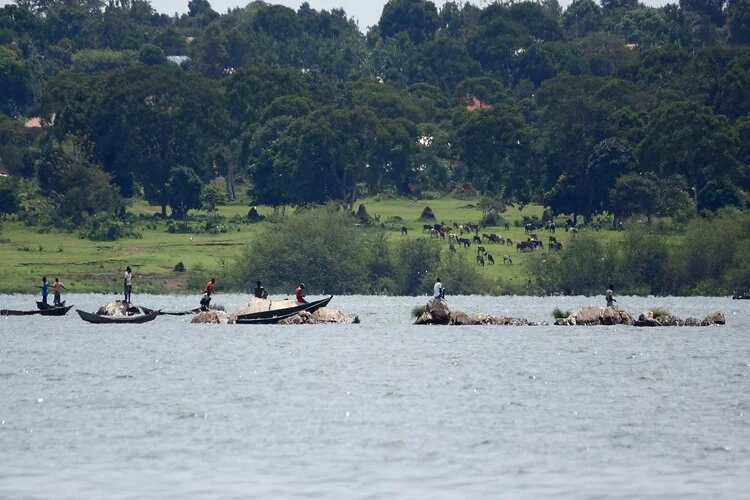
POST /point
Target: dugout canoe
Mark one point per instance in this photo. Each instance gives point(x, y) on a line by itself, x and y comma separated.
point(52, 311)
point(310, 307)
point(100, 320)
point(270, 320)
point(171, 313)
point(42, 305)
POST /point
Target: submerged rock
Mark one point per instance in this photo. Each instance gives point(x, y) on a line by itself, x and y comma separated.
point(211, 317)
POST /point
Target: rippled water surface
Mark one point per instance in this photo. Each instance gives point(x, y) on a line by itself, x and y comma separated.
point(378, 410)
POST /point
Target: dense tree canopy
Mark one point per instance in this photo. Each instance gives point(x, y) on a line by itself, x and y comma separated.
point(581, 107)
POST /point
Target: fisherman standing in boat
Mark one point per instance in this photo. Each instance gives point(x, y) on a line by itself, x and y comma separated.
point(298, 294)
point(56, 286)
point(45, 289)
point(259, 291)
point(128, 283)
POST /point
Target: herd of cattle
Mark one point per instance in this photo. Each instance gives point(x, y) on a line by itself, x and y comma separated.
point(458, 235)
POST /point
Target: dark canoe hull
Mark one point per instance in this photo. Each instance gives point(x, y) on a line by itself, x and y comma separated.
point(42, 305)
point(52, 311)
point(102, 320)
point(310, 307)
point(171, 313)
point(265, 321)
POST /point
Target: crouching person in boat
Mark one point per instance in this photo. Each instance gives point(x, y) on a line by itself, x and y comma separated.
point(259, 291)
point(298, 294)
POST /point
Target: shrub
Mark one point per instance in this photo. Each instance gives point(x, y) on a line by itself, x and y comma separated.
point(659, 312)
point(558, 313)
point(417, 311)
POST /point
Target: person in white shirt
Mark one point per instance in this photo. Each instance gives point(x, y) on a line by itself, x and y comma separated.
point(128, 284)
point(438, 291)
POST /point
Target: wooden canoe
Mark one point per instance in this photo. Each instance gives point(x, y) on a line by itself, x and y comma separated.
point(42, 305)
point(52, 311)
point(310, 307)
point(264, 321)
point(135, 318)
point(171, 313)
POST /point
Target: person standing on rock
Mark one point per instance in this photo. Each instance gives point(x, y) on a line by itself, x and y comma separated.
point(128, 283)
point(608, 295)
point(438, 291)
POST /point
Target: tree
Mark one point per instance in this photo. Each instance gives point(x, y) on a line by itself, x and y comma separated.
point(610, 159)
point(582, 17)
point(152, 119)
point(17, 82)
point(738, 14)
point(418, 18)
point(635, 193)
point(184, 191)
point(151, 55)
point(687, 138)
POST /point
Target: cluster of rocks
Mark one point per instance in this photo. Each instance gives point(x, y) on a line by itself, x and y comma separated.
point(593, 315)
point(211, 317)
point(648, 319)
point(321, 316)
point(437, 312)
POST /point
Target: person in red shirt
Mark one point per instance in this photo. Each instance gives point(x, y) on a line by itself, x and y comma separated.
point(298, 294)
point(206, 299)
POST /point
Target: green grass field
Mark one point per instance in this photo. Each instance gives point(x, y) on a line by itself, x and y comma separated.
point(82, 265)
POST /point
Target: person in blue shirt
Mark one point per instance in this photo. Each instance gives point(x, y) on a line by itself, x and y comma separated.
point(45, 289)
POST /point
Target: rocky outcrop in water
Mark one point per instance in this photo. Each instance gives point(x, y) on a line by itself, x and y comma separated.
point(118, 308)
point(211, 317)
point(593, 315)
point(324, 315)
point(648, 319)
point(437, 312)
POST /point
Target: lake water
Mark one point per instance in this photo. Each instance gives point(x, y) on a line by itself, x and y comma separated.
point(383, 409)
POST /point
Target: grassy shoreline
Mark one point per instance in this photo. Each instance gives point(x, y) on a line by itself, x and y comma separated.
point(88, 266)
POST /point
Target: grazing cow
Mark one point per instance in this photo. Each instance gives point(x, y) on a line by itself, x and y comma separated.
point(476, 239)
point(481, 249)
point(465, 242)
point(555, 245)
point(452, 247)
point(533, 236)
point(493, 238)
point(404, 230)
point(527, 228)
point(426, 228)
point(480, 259)
point(552, 240)
point(507, 259)
point(507, 226)
point(523, 246)
point(489, 258)
point(509, 242)
point(551, 226)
